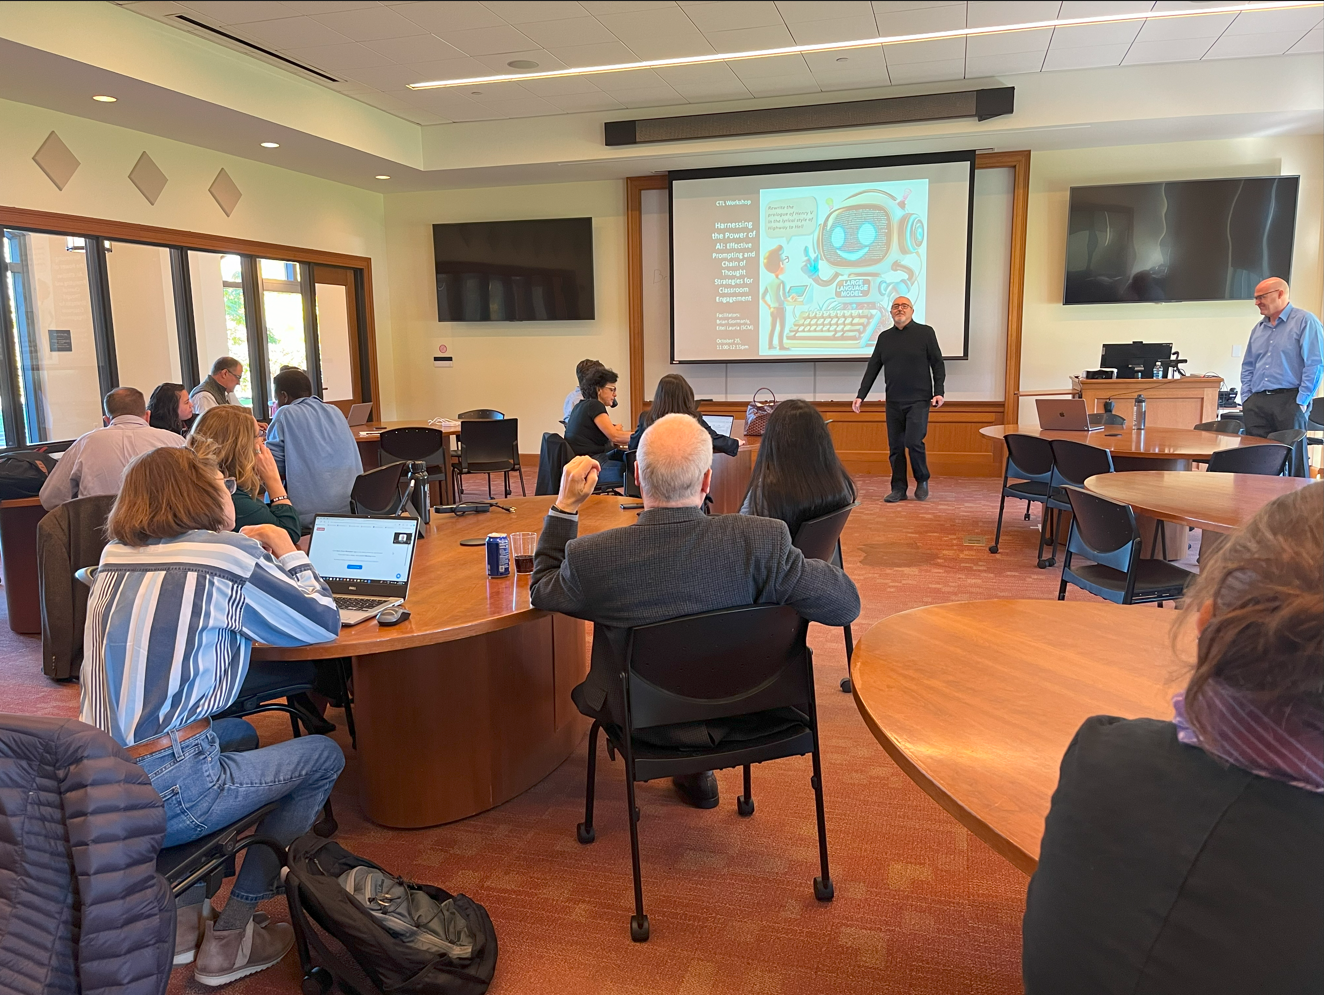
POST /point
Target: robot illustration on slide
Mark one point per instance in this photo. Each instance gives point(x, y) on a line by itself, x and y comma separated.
point(868, 251)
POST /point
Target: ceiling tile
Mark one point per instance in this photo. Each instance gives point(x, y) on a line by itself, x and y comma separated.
point(1170, 50)
point(911, 21)
point(520, 11)
point(773, 86)
point(833, 29)
point(1250, 46)
point(926, 72)
point(852, 81)
point(805, 11)
point(580, 103)
point(1003, 65)
point(785, 66)
point(713, 72)
point(622, 83)
point(925, 51)
point(1269, 21)
point(487, 93)
point(708, 17)
point(368, 23)
point(325, 6)
point(656, 96)
point(501, 63)
point(599, 7)
point(1085, 57)
point(570, 31)
point(657, 34)
point(703, 93)
point(854, 60)
point(985, 13)
point(564, 86)
point(750, 39)
point(523, 107)
point(1313, 42)
point(389, 77)
point(489, 41)
point(445, 17)
point(1205, 26)
point(1099, 8)
point(415, 49)
point(340, 58)
point(602, 54)
point(1009, 44)
point(1089, 35)
point(448, 69)
point(236, 12)
point(290, 32)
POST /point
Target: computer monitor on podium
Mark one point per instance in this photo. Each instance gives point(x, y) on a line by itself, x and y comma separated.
point(1135, 360)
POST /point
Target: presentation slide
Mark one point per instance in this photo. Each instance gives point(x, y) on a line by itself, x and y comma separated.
point(805, 265)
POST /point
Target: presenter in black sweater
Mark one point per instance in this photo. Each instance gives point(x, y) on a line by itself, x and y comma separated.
point(914, 378)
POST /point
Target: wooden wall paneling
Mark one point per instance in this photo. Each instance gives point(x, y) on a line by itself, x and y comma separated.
point(1020, 209)
point(634, 278)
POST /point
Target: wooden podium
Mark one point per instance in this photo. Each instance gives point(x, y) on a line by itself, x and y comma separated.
point(1182, 402)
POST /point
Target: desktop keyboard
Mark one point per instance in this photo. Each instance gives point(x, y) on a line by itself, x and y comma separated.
point(841, 329)
point(348, 603)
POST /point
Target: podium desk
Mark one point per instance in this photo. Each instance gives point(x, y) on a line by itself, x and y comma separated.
point(467, 703)
point(1177, 403)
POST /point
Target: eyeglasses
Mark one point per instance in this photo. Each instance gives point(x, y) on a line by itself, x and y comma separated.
point(231, 484)
point(1265, 296)
point(902, 307)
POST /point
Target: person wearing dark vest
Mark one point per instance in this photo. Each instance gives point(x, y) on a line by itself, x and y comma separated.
point(219, 387)
point(914, 379)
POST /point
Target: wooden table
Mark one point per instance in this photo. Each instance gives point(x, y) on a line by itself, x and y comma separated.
point(977, 701)
point(369, 438)
point(731, 474)
point(1219, 502)
point(18, 559)
point(1148, 449)
point(466, 704)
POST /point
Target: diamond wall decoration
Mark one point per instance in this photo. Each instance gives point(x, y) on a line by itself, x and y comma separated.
point(146, 175)
point(56, 161)
point(224, 192)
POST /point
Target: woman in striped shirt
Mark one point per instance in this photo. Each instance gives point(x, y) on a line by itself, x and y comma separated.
point(178, 602)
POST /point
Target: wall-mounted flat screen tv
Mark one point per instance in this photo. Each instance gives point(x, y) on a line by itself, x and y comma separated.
point(1189, 240)
point(515, 270)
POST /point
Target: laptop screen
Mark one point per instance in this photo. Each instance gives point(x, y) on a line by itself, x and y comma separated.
point(721, 424)
point(359, 413)
point(357, 552)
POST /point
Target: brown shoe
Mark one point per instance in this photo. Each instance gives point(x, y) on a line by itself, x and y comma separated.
point(188, 933)
point(236, 953)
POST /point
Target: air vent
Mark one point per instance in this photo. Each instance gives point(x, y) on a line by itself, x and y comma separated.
point(253, 48)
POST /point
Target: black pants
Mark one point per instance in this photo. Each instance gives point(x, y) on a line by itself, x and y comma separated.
point(907, 424)
point(1266, 412)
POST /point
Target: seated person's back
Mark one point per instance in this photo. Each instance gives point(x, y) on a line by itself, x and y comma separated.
point(797, 476)
point(674, 395)
point(314, 448)
point(1188, 856)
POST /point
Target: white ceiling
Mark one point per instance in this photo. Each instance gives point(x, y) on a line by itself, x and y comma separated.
point(376, 48)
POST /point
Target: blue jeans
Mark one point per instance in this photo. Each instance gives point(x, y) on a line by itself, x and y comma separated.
point(206, 788)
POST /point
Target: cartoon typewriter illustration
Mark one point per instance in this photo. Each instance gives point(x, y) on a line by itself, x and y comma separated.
point(868, 252)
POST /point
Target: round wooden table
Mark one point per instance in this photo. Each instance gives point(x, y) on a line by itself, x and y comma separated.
point(467, 703)
point(1149, 449)
point(977, 701)
point(1219, 502)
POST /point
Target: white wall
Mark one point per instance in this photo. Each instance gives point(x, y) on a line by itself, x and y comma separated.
point(522, 368)
point(1058, 341)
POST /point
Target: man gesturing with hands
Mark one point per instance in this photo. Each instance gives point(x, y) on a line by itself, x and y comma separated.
point(673, 561)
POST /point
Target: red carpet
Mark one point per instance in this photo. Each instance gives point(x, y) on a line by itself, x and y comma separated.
point(921, 905)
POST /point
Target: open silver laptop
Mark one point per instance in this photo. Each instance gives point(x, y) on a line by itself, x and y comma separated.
point(359, 414)
point(1064, 415)
point(721, 424)
point(365, 560)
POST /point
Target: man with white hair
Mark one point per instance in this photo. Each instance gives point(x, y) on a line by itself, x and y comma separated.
point(674, 561)
point(1282, 366)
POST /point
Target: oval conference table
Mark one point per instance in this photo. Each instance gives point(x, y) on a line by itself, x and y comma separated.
point(1147, 449)
point(467, 703)
point(1218, 502)
point(977, 701)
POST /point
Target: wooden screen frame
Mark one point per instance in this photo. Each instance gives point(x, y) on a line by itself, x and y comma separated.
point(1018, 161)
point(127, 231)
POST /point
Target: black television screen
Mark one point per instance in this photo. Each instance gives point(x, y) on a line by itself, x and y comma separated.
point(515, 270)
point(1190, 240)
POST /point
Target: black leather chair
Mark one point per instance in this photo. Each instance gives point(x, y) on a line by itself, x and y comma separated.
point(417, 444)
point(1105, 533)
point(710, 667)
point(1265, 460)
point(488, 446)
point(1298, 465)
point(820, 539)
point(377, 492)
point(480, 414)
point(1224, 426)
point(1030, 466)
point(631, 488)
point(1075, 462)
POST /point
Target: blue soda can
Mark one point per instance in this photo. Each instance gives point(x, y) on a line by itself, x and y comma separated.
point(498, 554)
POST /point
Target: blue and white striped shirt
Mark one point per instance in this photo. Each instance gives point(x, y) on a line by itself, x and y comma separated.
point(171, 625)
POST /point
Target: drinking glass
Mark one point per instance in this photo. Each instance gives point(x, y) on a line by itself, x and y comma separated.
point(522, 545)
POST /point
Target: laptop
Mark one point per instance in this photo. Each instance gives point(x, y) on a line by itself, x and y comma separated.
point(365, 560)
point(359, 414)
point(1064, 415)
point(721, 424)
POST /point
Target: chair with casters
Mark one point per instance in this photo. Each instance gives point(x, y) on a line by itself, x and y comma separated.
point(1105, 533)
point(1030, 465)
point(480, 414)
point(631, 488)
point(1224, 426)
point(820, 539)
point(1294, 438)
point(1268, 460)
point(488, 446)
point(417, 444)
point(751, 663)
point(1075, 462)
point(377, 492)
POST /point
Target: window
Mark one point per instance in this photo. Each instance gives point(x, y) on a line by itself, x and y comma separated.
point(283, 311)
point(220, 318)
point(142, 306)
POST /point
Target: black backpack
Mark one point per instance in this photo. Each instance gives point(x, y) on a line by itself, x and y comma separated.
point(22, 473)
point(382, 965)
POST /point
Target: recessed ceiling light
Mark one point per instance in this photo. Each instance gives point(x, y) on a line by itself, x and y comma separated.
point(271, 145)
point(381, 176)
point(837, 46)
point(105, 98)
point(522, 64)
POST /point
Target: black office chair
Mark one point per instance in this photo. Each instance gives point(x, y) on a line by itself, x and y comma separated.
point(1105, 533)
point(1224, 426)
point(421, 445)
point(488, 446)
point(377, 492)
point(1075, 463)
point(631, 488)
point(820, 539)
point(1294, 438)
point(1030, 464)
point(480, 414)
point(1268, 460)
point(210, 859)
point(710, 667)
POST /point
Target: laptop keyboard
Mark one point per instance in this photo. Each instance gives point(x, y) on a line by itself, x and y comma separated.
point(347, 603)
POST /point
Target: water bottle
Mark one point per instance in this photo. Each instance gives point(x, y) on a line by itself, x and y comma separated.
point(1138, 419)
point(1158, 370)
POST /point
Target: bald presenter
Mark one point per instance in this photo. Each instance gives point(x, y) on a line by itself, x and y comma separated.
point(913, 379)
point(1282, 366)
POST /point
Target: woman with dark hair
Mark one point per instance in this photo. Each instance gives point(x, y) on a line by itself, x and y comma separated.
point(590, 430)
point(797, 476)
point(675, 396)
point(1188, 856)
point(169, 408)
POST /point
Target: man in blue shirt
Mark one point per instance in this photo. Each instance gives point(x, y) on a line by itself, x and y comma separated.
point(314, 448)
point(1282, 367)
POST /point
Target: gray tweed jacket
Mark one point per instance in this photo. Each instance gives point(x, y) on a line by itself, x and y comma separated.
point(674, 562)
